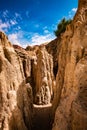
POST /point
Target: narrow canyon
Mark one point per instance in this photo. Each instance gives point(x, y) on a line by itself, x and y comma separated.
point(44, 87)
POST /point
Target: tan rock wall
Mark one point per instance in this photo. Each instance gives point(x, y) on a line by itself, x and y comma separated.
point(43, 76)
point(51, 74)
point(15, 94)
point(71, 78)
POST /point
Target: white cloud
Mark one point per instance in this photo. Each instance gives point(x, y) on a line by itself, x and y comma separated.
point(13, 22)
point(44, 27)
point(74, 9)
point(14, 38)
point(22, 39)
point(17, 39)
point(8, 22)
point(46, 31)
point(5, 13)
point(72, 13)
point(4, 26)
point(24, 45)
point(17, 15)
point(18, 28)
point(38, 39)
point(35, 39)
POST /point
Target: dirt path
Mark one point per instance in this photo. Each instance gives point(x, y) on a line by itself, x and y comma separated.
point(42, 118)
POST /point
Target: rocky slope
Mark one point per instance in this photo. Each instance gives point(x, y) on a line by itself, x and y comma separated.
point(37, 80)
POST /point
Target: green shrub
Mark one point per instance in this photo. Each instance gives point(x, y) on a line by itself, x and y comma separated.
point(61, 27)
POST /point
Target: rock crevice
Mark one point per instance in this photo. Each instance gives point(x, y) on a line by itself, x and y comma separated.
point(42, 81)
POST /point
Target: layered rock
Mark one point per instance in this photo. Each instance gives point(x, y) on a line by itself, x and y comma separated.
point(26, 77)
point(15, 94)
point(71, 79)
point(43, 77)
point(28, 86)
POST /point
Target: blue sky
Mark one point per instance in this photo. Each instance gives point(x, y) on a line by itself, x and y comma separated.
point(33, 21)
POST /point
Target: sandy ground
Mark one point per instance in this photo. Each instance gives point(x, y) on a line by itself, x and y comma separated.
point(42, 117)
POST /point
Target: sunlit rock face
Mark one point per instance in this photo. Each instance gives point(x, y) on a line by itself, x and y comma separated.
point(37, 80)
point(15, 93)
point(42, 72)
point(71, 79)
point(26, 78)
point(82, 4)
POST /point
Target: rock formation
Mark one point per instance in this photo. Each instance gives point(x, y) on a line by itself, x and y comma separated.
point(71, 79)
point(15, 93)
point(42, 73)
point(26, 77)
point(44, 80)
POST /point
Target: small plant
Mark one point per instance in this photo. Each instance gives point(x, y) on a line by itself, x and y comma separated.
point(61, 27)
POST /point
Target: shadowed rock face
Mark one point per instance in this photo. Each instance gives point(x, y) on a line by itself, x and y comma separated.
point(37, 80)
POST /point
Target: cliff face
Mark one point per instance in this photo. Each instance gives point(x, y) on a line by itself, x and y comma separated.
point(71, 79)
point(43, 77)
point(15, 93)
point(36, 81)
point(26, 78)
